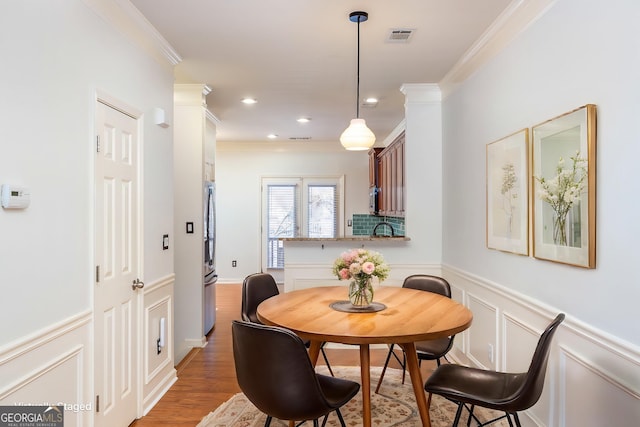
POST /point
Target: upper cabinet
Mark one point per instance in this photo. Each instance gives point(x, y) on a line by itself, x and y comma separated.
point(391, 179)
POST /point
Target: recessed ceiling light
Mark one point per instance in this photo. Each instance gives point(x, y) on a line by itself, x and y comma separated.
point(249, 101)
point(272, 136)
point(371, 101)
point(304, 120)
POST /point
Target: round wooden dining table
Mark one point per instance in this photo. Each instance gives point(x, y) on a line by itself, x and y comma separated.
point(408, 316)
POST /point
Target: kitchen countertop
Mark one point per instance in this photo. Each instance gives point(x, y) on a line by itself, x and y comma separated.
point(347, 239)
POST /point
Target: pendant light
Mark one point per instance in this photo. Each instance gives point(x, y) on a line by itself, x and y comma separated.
point(358, 136)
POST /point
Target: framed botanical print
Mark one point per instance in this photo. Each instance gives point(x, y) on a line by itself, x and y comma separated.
point(564, 188)
point(507, 195)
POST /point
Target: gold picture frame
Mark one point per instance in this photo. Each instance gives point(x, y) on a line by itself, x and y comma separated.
point(507, 194)
point(564, 188)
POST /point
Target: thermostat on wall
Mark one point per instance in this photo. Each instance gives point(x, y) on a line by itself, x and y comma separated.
point(15, 197)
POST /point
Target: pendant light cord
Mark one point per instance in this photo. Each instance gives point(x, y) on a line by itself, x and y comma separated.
point(358, 75)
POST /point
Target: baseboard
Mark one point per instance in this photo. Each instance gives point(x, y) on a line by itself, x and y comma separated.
point(156, 394)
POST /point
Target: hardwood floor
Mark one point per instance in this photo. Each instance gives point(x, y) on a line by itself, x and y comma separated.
point(206, 376)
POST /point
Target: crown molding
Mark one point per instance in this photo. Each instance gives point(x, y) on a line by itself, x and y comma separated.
point(420, 93)
point(514, 20)
point(124, 17)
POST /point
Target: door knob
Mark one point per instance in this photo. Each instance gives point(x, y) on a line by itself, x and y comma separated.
point(137, 284)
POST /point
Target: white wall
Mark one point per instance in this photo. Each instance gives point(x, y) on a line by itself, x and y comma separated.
point(60, 56)
point(57, 56)
point(577, 53)
point(239, 168)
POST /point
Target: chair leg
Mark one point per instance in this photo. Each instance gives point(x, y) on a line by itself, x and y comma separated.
point(509, 419)
point(384, 368)
point(458, 413)
point(324, 355)
point(315, 422)
point(340, 418)
point(267, 423)
point(515, 417)
point(472, 416)
point(324, 420)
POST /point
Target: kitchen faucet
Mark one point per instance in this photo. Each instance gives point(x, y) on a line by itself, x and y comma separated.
point(373, 233)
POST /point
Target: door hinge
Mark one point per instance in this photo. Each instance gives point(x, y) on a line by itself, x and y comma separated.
point(97, 274)
point(97, 403)
point(97, 143)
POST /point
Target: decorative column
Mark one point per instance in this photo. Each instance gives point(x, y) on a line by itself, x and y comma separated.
point(423, 170)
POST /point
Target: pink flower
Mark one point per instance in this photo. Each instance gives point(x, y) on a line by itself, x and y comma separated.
point(344, 273)
point(368, 267)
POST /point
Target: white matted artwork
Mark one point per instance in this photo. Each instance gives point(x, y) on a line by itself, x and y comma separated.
point(564, 181)
point(507, 194)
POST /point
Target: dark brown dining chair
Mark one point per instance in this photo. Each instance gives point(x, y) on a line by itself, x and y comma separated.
point(427, 350)
point(275, 373)
point(256, 288)
point(502, 391)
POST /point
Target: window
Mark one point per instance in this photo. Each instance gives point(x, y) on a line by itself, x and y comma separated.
point(298, 207)
point(322, 215)
point(282, 221)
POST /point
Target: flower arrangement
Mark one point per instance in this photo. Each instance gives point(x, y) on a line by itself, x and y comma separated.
point(562, 192)
point(360, 265)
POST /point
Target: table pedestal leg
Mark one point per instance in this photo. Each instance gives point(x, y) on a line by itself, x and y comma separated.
point(416, 381)
point(365, 374)
point(314, 351)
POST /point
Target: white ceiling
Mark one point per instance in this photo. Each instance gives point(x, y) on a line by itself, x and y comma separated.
point(298, 58)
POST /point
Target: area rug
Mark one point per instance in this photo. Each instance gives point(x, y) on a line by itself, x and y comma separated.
point(393, 406)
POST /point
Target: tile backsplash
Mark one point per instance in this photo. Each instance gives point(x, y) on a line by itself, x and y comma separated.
point(363, 225)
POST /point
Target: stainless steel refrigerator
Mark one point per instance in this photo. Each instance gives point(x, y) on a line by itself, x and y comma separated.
point(210, 276)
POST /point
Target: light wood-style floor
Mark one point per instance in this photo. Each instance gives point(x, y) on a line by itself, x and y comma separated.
point(206, 377)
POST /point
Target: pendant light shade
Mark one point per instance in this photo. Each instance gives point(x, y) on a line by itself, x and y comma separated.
point(358, 136)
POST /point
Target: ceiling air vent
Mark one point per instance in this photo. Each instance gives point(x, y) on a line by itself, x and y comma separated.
point(299, 138)
point(400, 35)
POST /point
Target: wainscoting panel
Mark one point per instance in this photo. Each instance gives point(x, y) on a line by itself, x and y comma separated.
point(591, 397)
point(158, 372)
point(519, 343)
point(483, 333)
point(592, 380)
point(52, 367)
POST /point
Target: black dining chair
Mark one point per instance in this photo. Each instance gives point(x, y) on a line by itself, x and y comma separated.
point(275, 373)
point(427, 350)
point(256, 288)
point(502, 391)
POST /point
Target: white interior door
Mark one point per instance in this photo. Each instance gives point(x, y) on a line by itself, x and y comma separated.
point(116, 258)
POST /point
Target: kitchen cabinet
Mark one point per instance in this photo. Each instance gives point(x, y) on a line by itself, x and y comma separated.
point(391, 183)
